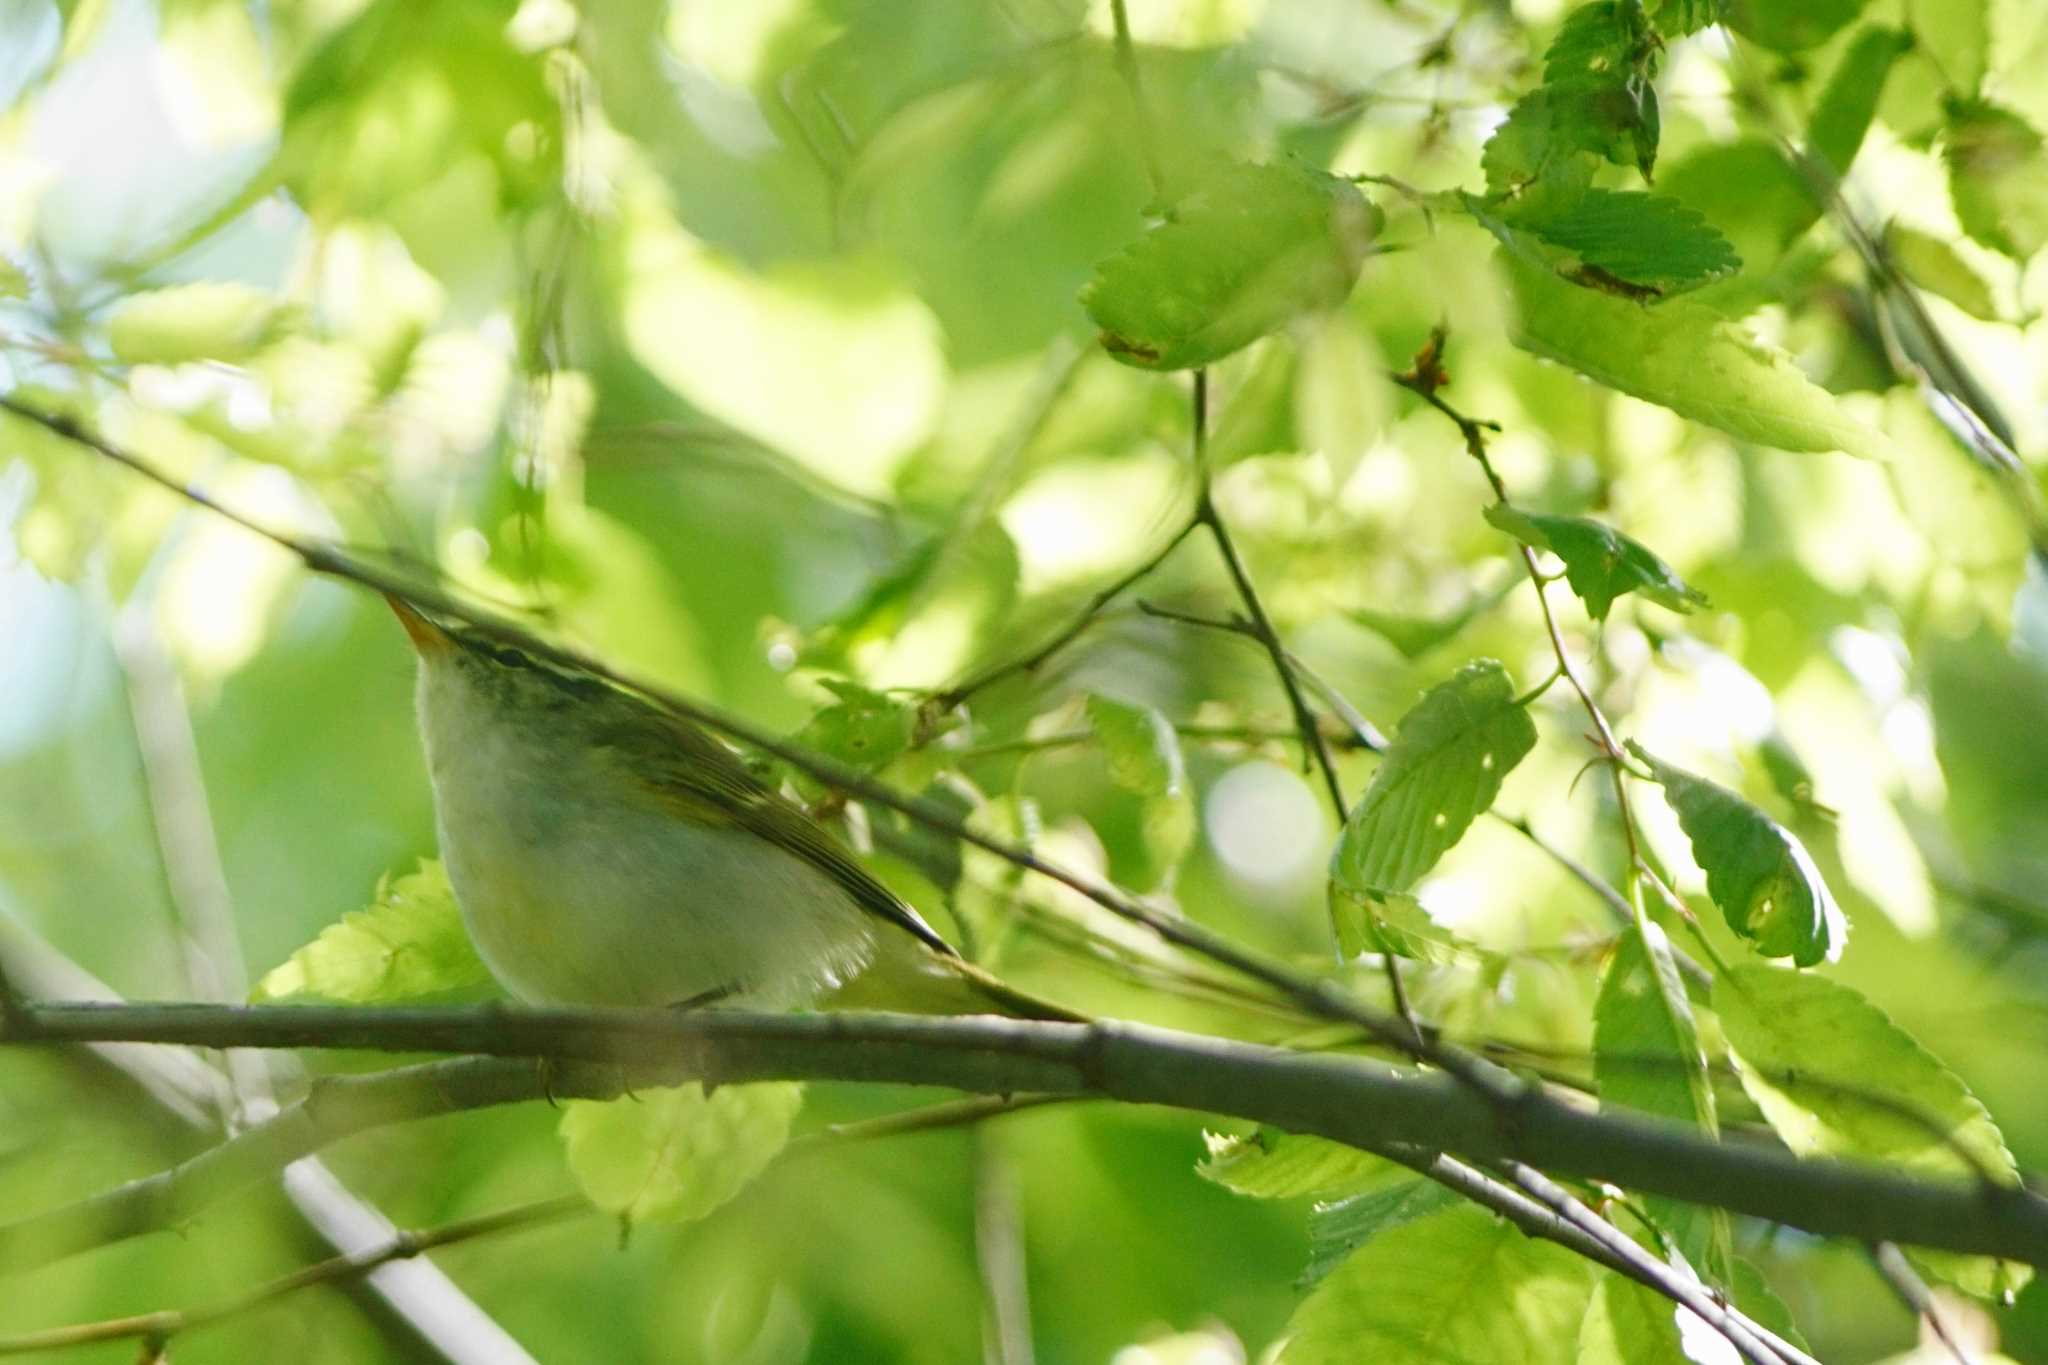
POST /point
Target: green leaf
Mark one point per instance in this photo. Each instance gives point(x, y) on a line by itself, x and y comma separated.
point(1414, 636)
point(14, 281)
point(1625, 241)
point(1256, 417)
point(410, 945)
point(1934, 264)
point(1599, 67)
point(1842, 114)
point(207, 321)
point(1394, 923)
point(1341, 396)
point(1676, 18)
point(1140, 746)
point(1270, 1164)
point(672, 1156)
point(1998, 177)
point(1457, 1287)
point(1250, 250)
point(1758, 873)
point(1600, 562)
point(1446, 763)
point(1791, 25)
point(1687, 358)
point(1647, 1056)
point(1626, 1324)
point(1955, 35)
point(864, 728)
point(1837, 1078)
point(1335, 1230)
point(1749, 192)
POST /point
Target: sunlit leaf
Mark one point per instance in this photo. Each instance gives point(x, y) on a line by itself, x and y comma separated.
point(1341, 394)
point(1461, 1285)
point(1687, 358)
point(1956, 36)
point(674, 1155)
point(1415, 636)
point(1749, 192)
point(1394, 923)
point(1270, 1164)
point(210, 321)
point(1837, 1078)
point(1757, 871)
point(1600, 562)
point(1998, 177)
point(1647, 1056)
point(1446, 764)
point(1335, 1230)
point(1254, 247)
point(409, 945)
point(1596, 99)
point(1627, 1324)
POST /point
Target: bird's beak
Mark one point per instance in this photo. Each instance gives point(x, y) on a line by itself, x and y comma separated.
point(427, 637)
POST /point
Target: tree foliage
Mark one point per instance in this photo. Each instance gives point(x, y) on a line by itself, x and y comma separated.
point(1483, 539)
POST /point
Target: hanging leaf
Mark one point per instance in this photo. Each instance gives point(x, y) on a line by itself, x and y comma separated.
point(409, 945)
point(1758, 873)
point(1460, 1285)
point(1626, 1324)
point(1647, 1056)
point(1687, 358)
point(1446, 763)
point(1335, 1230)
point(1600, 562)
point(1144, 758)
point(1998, 177)
point(672, 1156)
point(1791, 25)
point(1250, 250)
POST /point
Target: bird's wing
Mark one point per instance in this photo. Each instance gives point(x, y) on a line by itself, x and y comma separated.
point(706, 782)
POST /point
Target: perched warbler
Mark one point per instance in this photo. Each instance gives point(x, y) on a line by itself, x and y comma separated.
point(607, 852)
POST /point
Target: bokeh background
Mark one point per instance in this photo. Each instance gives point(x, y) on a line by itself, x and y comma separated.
point(740, 342)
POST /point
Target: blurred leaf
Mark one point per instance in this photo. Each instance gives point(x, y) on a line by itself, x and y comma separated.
point(1676, 18)
point(1625, 242)
point(1415, 636)
point(1394, 923)
point(1685, 357)
point(1647, 1056)
point(1849, 101)
point(14, 281)
point(410, 945)
point(1956, 36)
point(864, 728)
point(1335, 1230)
point(1757, 872)
point(209, 321)
point(1600, 562)
point(1140, 745)
point(1341, 395)
point(1627, 1324)
point(1933, 263)
point(1257, 417)
point(672, 1156)
point(1460, 1285)
point(1998, 177)
point(1270, 1164)
point(1791, 25)
point(1251, 249)
point(1448, 758)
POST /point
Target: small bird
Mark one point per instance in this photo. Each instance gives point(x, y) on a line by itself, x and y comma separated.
point(607, 852)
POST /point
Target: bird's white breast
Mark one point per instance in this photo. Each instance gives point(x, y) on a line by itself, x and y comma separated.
point(577, 890)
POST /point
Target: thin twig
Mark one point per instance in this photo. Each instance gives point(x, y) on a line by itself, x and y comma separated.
point(1755, 1342)
point(953, 696)
point(1127, 66)
point(1913, 1291)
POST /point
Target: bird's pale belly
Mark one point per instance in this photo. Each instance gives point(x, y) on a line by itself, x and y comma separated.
point(629, 906)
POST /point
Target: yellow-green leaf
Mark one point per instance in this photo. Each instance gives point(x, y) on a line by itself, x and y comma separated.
point(672, 1156)
point(410, 944)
